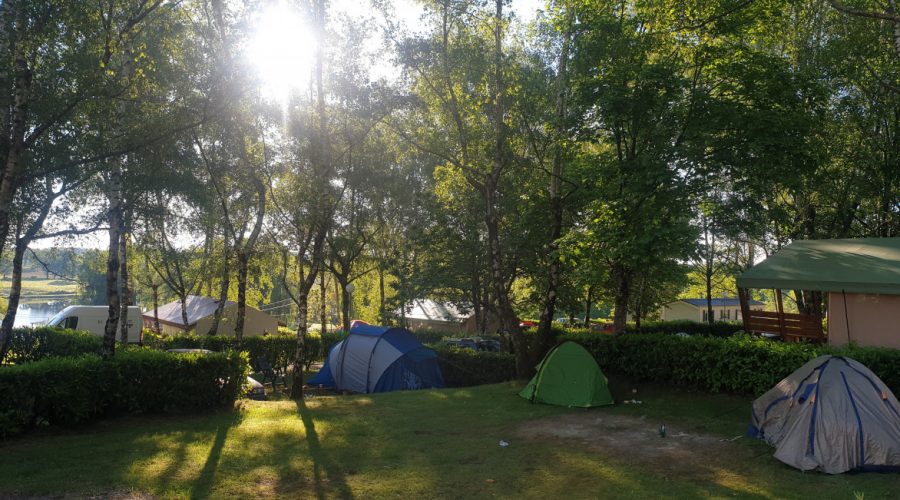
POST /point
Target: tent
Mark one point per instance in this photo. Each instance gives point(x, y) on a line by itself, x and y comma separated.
point(200, 312)
point(379, 359)
point(861, 277)
point(568, 376)
point(833, 414)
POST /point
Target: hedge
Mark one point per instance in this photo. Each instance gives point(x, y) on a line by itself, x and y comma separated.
point(465, 367)
point(278, 350)
point(72, 390)
point(738, 364)
point(716, 329)
point(33, 344)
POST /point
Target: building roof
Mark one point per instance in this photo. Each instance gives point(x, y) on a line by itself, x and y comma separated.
point(429, 310)
point(863, 265)
point(198, 307)
point(721, 302)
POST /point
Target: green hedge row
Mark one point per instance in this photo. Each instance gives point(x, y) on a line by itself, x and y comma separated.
point(716, 329)
point(278, 350)
point(737, 364)
point(465, 367)
point(33, 344)
point(71, 390)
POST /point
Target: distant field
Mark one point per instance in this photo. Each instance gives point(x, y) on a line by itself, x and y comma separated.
point(41, 287)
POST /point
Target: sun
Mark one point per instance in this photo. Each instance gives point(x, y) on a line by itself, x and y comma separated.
point(281, 51)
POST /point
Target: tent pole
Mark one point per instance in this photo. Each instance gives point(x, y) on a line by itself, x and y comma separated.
point(846, 316)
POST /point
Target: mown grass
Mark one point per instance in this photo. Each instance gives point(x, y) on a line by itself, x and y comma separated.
point(426, 444)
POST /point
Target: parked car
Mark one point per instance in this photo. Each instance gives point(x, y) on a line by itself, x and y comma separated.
point(490, 345)
point(602, 327)
point(528, 324)
point(92, 319)
point(256, 390)
point(465, 343)
point(476, 344)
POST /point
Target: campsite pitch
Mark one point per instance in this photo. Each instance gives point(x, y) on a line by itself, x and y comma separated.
point(426, 444)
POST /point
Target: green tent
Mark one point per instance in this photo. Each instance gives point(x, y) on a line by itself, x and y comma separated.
point(568, 376)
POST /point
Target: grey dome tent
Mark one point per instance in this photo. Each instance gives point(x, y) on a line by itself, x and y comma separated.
point(832, 414)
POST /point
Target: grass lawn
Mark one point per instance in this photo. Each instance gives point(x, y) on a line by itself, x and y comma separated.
point(440, 443)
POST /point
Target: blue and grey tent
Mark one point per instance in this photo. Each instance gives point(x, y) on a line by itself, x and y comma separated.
point(832, 414)
point(379, 359)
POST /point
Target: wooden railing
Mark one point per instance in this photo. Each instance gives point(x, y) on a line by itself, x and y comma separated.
point(790, 326)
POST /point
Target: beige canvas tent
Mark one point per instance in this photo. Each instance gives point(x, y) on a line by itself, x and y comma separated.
point(200, 311)
point(427, 314)
point(861, 278)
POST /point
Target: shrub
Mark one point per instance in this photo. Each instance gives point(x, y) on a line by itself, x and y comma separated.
point(465, 367)
point(33, 344)
point(277, 350)
point(717, 329)
point(66, 391)
point(737, 364)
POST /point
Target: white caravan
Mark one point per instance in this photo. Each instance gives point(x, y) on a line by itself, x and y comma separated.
point(92, 319)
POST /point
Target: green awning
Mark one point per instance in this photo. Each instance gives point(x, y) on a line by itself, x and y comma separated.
point(864, 265)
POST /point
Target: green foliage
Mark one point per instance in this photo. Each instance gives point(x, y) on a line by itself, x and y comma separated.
point(435, 336)
point(717, 329)
point(278, 350)
point(68, 391)
point(465, 367)
point(737, 364)
point(34, 344)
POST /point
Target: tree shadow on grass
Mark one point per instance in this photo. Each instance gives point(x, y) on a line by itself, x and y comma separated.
point(322, 462)
point(203, 486)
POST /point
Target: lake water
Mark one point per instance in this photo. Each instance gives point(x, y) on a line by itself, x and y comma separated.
point(37, 313)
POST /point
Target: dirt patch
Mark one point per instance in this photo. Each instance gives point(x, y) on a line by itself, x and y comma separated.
point(634, 440)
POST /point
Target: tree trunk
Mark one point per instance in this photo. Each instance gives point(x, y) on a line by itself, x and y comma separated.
point(710, 318)
point(338, 304)
point(710, 249)
point(892, 9)
point(300, 358)
point(114, 217)
point(323, 313)
point(223, 292)
point(477, 300)
point(346, 305)
point(638, 305)
point(155, 289)
point(302, 301)
point(15, 292)
point(184, 315)
point(382, 312)
point(123, 271)
point(18, 127)
point(545, 326)
point(623, 292)
point(242, 295)
point(587, 306)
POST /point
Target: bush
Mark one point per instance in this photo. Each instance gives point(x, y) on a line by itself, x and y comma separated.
point(34, 344)
point(67, 391)
point(278, 350)
point(717, 329)
point(465, 367)
point(737, 364)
